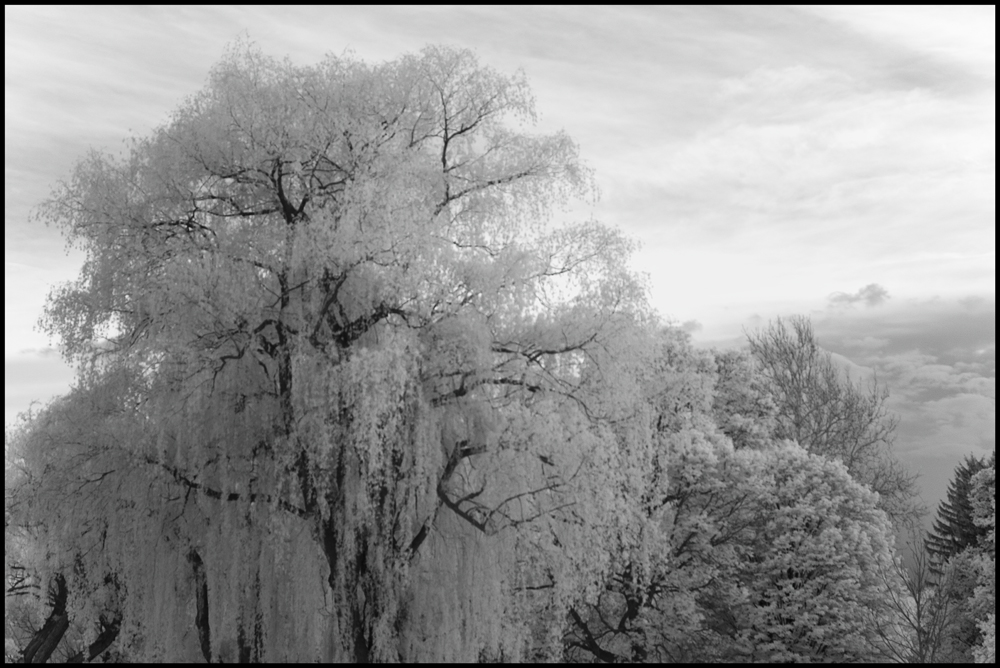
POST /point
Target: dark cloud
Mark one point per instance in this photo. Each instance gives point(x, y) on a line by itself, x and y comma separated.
point(952, 331)
point(937, 358)
point(872, 294)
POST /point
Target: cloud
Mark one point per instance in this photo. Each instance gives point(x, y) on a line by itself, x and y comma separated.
point(851, 371)
point(35, 379)
point(937, 357)
point(872, 294)
point(919, 376)
point(949, 330)
point(950, 427)
point(866, 343)
point(47, 352)
point(817, 174)
point(691, 326)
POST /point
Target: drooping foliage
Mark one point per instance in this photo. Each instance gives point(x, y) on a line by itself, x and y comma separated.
point(311, 301)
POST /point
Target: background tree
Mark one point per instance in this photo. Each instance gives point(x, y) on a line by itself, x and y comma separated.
point(320, 320)
point(815, 578)
point(983, 604)
point(819, 407)
point(930, 615)
point(954, 594)
point(759, 561)
point(762, 552)
point(955, 528)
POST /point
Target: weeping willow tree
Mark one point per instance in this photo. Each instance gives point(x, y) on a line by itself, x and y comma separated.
point(341, 386)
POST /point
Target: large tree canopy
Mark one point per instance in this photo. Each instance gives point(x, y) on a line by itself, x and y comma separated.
point(310, 302)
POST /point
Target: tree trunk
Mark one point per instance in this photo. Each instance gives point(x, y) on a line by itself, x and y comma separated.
point(46, 639)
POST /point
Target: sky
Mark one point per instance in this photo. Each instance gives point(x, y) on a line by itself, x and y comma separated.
point(836, 162)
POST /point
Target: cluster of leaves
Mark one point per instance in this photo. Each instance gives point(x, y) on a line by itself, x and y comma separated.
point(345, 395)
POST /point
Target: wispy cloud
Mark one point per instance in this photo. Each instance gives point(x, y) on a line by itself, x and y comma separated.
point(775, 142)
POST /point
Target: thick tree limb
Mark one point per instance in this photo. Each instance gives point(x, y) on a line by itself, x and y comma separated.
point(201, 604)
point(108, 634)
point(47, 638)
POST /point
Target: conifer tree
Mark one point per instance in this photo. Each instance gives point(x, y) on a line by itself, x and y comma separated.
point(954, 529)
